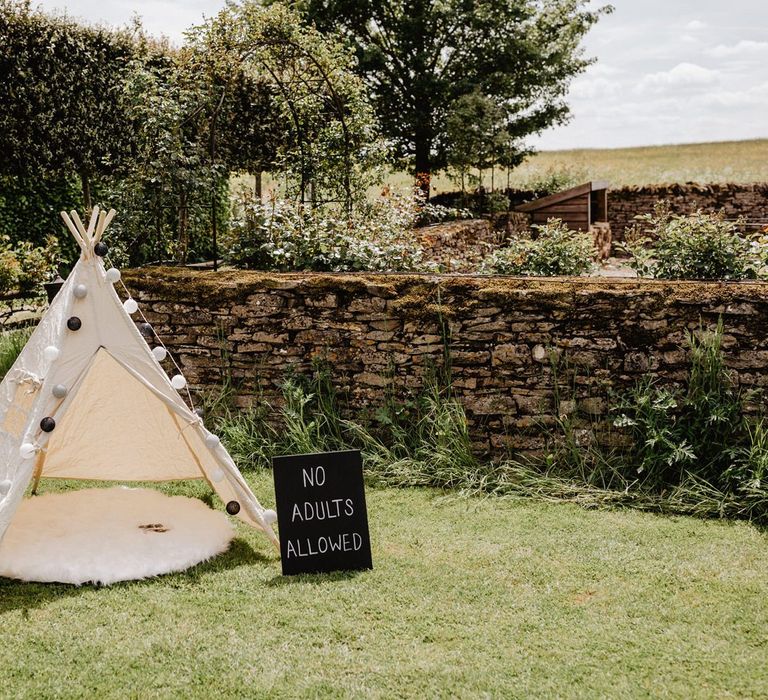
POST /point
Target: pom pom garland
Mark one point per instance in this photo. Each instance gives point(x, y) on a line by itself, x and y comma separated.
point(80, 291)
point(217, 477)
point(101, 249)
point(51, 353)
point(212, 441)
point(47, 425)
point(233, 507)
point(74, 323)
point(112, 275)
point(160, 353)
point(269, 516)
point(5, 487)
point(130, 306)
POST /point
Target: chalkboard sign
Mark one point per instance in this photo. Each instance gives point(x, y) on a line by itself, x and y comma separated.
point(321, 513)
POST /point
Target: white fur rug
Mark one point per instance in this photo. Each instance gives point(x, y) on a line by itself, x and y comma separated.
point(107, 535)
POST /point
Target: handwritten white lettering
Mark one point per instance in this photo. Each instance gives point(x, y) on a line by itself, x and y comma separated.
point(310, 547)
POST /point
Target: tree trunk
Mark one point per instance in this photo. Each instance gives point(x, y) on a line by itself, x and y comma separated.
point(214, 230)
point(257, 186)
point(183, 230)
point(423, 169)
point(214, 183)
point(85, 182)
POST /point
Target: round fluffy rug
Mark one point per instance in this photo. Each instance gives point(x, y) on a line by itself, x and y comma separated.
point(107, 535)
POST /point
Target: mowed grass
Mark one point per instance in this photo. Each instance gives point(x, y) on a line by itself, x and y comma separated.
point(731, 161)
point(469, 597)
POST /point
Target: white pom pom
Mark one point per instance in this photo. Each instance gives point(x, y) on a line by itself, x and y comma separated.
point(178, 382)
point(81, 291)
point(113, 275)
point(217, 476)
point(5, 487)
point(130, 306)
point(51, 353)
point(212, 441)
point(269, 516)
point(160, 353)
point(27, 450)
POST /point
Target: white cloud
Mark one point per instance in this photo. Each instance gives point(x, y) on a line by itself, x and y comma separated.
point(695, 25)
point(602, 70)
point(743, 49)
point(588, 88)
point(681, 76)
point(756, 96)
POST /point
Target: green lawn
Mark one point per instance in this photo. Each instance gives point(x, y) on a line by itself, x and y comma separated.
point(468, 598)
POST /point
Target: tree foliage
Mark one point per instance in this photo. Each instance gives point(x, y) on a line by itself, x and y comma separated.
point(421, 56)
point(329, 134)
point(59, 90)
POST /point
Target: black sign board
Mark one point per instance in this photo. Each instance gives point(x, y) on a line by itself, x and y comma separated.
point(321, 513)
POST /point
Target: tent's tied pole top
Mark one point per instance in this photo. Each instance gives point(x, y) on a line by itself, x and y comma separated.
point(88, 238)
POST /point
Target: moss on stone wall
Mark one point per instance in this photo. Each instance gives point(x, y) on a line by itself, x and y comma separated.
point(381, 332)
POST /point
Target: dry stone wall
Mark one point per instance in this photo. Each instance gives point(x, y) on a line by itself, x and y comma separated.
point(16, 311)
point(460, 246)
point(510, 340)
point(748, 201)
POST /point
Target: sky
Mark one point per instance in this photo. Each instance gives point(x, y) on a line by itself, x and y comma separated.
point(667, 71)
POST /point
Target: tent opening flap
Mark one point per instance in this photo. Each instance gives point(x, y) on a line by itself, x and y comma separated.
point(116, 429)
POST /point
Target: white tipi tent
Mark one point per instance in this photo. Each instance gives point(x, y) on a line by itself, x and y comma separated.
point(88, 399)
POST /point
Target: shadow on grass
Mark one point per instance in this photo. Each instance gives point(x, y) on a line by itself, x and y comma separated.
point(24, 595)
point(240, 553)
point(329, 578)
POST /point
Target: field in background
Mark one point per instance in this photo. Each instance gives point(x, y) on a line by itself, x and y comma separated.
point(728, 161)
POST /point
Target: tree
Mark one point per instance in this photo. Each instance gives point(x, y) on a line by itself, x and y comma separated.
point(474, 134)
point(59, 83)
point(420, 56)
point(329, 131)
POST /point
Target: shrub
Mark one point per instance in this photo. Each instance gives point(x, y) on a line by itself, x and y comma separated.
point(697, 246)
point(283, 235)
point(698, 430)
point(25, 267)
point(555, 251)
point(430, 213)
point(10, 269)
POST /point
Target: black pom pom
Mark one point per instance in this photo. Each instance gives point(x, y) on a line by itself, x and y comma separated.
point(47, 425)
point(101, 249)
point(233, 507)
point(74, 323)
point(147, 331)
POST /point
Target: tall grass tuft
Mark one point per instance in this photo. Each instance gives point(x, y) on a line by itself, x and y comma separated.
point(692, 450)
point(11, 345)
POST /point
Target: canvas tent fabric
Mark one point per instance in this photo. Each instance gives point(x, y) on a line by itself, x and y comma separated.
point(121, 419)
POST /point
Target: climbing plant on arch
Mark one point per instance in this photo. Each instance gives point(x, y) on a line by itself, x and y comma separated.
point(331, 144)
